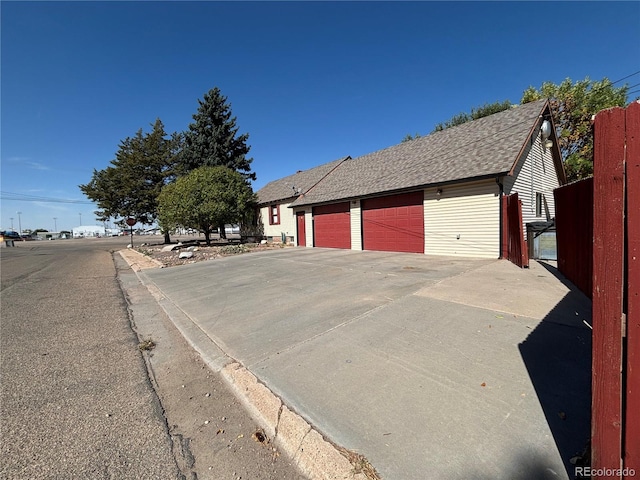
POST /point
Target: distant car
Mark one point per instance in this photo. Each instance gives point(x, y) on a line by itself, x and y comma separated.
point(9, 235)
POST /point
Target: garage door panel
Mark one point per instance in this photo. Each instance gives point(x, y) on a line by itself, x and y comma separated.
point(332, 226)
point(394, 223)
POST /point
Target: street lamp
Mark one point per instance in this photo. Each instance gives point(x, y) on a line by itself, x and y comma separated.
point(11, 218)
point(55, 224)
point(19, 224)
point(80, 219)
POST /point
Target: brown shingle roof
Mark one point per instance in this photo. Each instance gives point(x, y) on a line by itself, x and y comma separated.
point(295, 184)
point(481, 148)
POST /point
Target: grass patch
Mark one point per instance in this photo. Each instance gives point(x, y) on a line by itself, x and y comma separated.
point(234, 249)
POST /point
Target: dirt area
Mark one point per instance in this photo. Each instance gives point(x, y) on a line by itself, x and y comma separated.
point(201, 252)
point(215, 436)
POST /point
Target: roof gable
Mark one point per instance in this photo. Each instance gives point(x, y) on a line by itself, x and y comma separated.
point(485, 147)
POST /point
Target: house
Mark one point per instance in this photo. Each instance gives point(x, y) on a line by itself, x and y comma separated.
point(438, 194)
point(275, 198)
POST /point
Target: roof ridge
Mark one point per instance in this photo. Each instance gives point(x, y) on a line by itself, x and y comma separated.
point(456, 129)
point(478, 149)
point(344, 159)
point(278, 189)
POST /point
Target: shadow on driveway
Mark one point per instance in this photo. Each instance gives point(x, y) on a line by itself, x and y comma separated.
point(557, 355)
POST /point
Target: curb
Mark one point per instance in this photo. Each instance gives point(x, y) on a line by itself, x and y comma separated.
point(306, 447)
point(137, 261)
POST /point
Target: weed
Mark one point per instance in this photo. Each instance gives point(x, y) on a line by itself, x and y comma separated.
point(146, 345)
point(360, 464)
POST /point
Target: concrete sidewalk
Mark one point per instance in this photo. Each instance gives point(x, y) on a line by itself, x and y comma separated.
point(430, 367)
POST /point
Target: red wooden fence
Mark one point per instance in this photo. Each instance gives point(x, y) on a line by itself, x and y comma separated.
point(574, 233)
point(514, 248)
point(615, 419)
point(632, 414)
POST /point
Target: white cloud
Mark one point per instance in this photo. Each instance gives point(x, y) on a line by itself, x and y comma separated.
point(27, 162)
point(52, 206)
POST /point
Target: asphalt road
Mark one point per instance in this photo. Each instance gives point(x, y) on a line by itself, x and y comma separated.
point(78, 399)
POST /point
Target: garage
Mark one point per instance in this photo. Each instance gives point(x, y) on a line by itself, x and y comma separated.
point(332, 226)
point(394, 223)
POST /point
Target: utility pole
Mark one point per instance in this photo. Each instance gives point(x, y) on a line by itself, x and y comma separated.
point(11, 218)
point(19, 224)
point(55, 224)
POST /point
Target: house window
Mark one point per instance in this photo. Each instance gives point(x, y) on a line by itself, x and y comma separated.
point(274, 215)
point(539, 201)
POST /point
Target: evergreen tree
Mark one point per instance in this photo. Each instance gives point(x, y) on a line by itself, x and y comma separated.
point(130, 185)
point(213, 140)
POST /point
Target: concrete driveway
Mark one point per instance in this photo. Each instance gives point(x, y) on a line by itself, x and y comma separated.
point(431, 367)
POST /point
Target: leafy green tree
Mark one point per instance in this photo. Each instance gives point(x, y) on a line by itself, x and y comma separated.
point(130, 185)
point(572, 107)
point(476, 113)
point(408, 137)
point(213, 140)
point(206, 198)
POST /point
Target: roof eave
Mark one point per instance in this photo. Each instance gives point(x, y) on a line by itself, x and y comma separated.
point(536, 125)
point(276, 200)
point(545, 114)
point(477, 178)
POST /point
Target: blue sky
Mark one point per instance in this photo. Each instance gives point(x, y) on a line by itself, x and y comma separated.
point(309, 82)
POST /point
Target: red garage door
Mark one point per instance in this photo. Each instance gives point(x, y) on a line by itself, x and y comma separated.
point(332, 226)
point(394, 223)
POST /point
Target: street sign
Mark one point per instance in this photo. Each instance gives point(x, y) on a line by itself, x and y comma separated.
point(131, 221)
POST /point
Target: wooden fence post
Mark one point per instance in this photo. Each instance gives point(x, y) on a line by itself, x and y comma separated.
point(504, 237)
point(608, 277)
point(632, 417)
point(524, 251)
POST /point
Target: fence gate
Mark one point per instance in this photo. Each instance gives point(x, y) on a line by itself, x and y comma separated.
point(615, 416)
point(513, 245)
point(574, 233)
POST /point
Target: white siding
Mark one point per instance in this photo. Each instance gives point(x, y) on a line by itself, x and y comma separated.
point(356, 225)
point(308, 237)
point(463, 221)
point(535, 173)
point(287, 222)
point(308, 227)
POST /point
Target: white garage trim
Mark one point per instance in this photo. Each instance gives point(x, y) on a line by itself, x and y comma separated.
point(356, 227)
